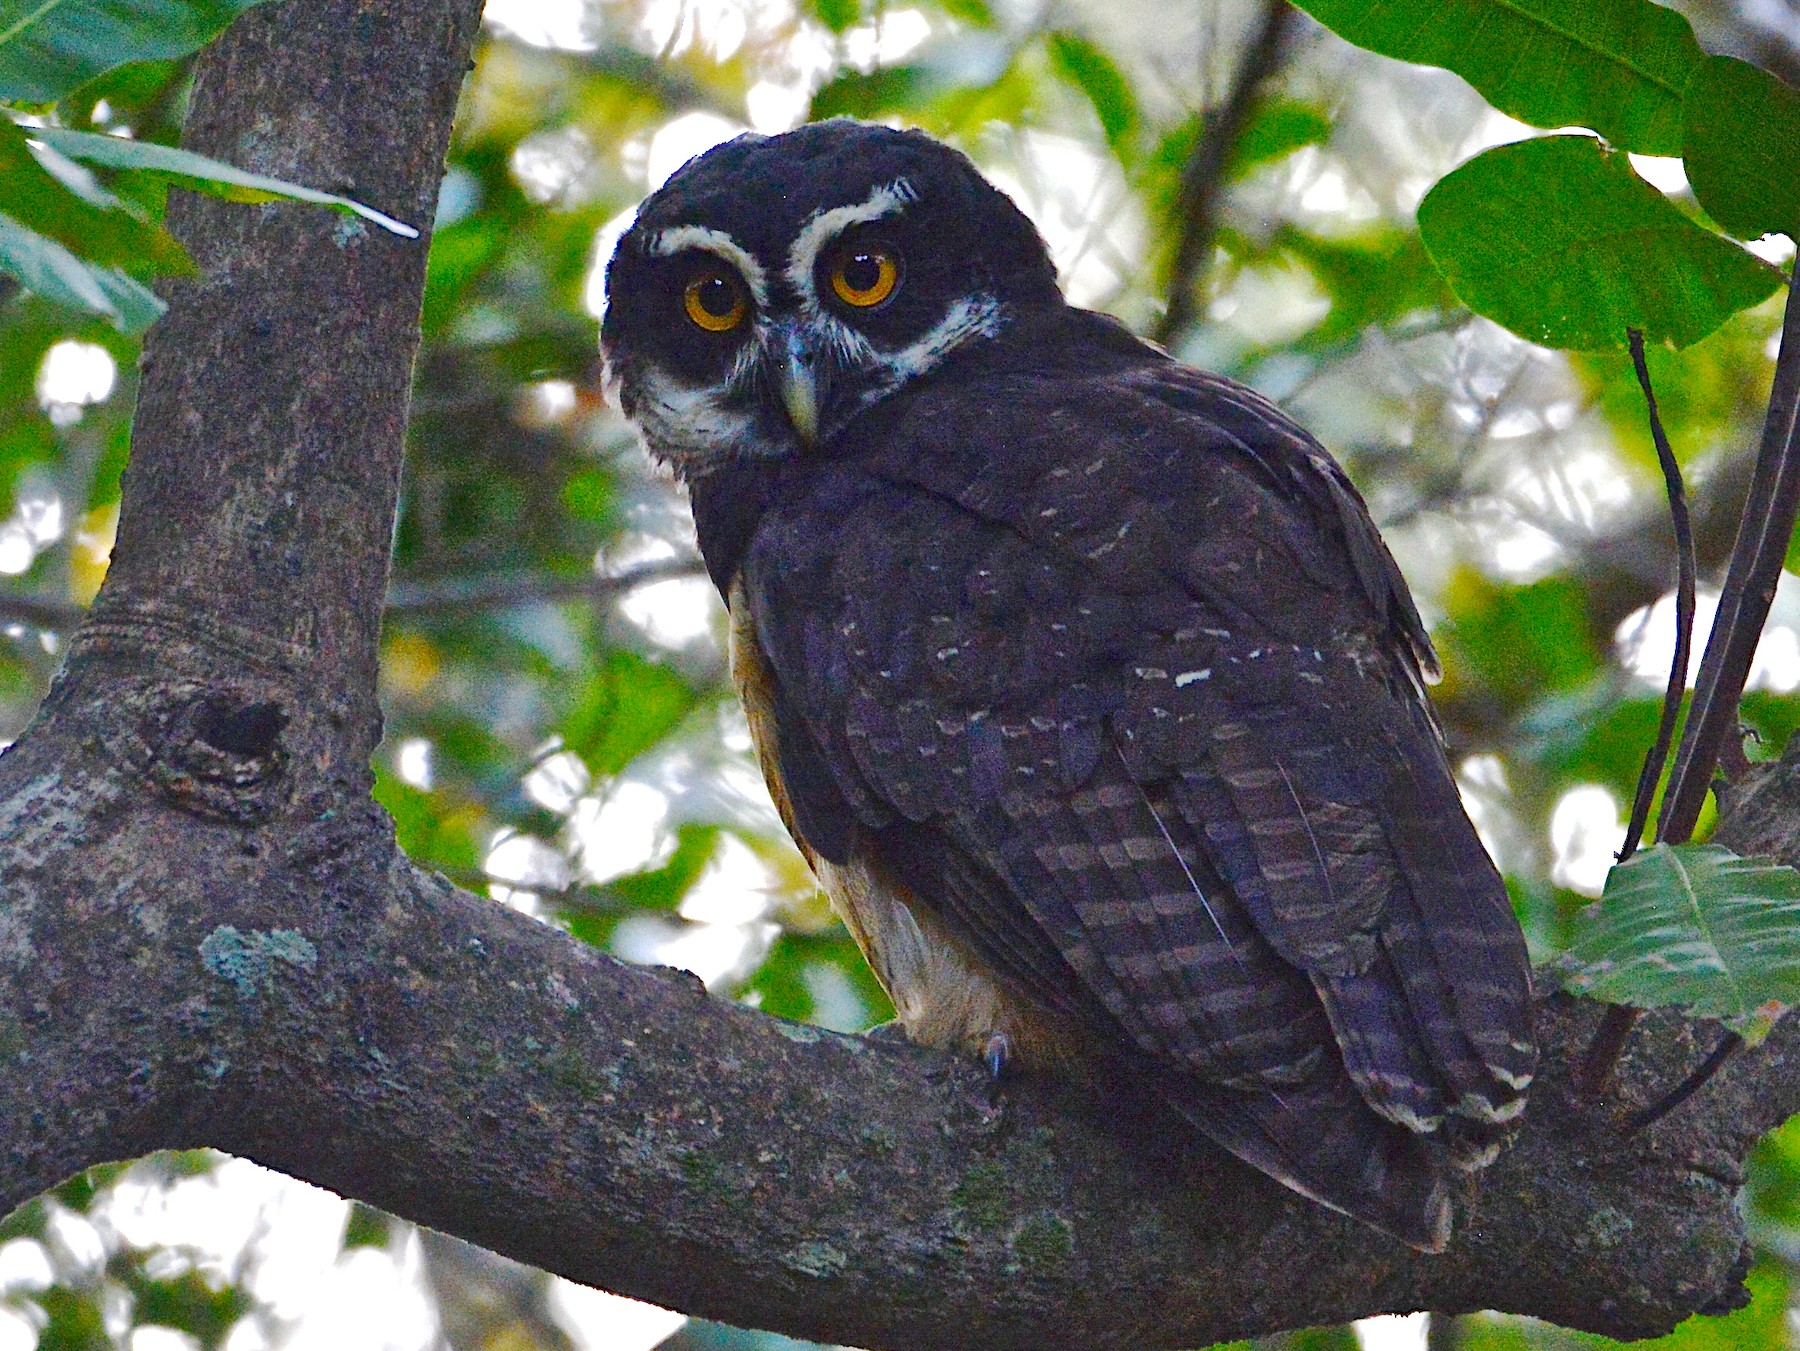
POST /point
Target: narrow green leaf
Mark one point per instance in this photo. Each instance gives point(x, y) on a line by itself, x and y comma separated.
point(1277, 129)
point(1697, 927)
point(1618, 66)
point(49, 48)
point(46, 267)
point(1742, 147)
point(1558, 240)
point(74, 210)
point(976, 12)
point(197, 173)
point(1079, 61)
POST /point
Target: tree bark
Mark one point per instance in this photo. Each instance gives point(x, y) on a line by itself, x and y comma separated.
point(207, 936)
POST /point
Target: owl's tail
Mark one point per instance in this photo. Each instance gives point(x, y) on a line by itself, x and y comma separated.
point(1320, 1138)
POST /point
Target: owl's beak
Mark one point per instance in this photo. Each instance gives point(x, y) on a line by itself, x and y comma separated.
point(799, 384)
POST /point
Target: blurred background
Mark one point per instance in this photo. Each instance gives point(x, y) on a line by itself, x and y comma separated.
point(560, 735)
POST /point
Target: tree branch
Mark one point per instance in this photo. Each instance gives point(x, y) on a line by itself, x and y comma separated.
point(1748, 591)
point(422, 596)
point(329, 1011)
point(1203, 176)
point(427, 596)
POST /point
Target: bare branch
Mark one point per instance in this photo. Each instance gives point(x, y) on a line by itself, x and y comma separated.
point(481, 591)
point(302, 997)
point(1203, 176)
point(1749, 589)
point(497, 592)
point(1685, 569)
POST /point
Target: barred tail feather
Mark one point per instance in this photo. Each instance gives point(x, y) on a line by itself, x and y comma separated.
point(1320, 1139)
point(1472, 946)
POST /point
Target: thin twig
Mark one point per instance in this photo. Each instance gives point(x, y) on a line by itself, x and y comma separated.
point(489, 592)
point(480, 592)
point(1763, 535)
point(1685, 569)
point(1729, 1045)
point(40, 612)
point(1603, 1051)
point(1203, 176)
point(1764, 530)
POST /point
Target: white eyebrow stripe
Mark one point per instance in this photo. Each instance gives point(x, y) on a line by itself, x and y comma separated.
point(825, 225)
point(665, 243)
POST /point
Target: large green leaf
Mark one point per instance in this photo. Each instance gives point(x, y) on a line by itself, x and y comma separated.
point(46, 267)
point(200, 174)
point(48, 48)
point(1618, 66)
point(61, 200)
point(1694, 926)
point(1743, 127)
point(1558, 240)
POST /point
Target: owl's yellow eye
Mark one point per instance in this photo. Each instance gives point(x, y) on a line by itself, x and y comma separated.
point(715, 302)
point(865, 276)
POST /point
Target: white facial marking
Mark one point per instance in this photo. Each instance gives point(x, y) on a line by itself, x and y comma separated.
point(972, 316)
point(667, 243)
point(688, 424)
point(824, 226)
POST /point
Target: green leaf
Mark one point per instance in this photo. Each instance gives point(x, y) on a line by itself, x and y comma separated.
point(1514, 644)
point(1079, 61)
point(837, 15)
point(589, 494)
point(628, 706)
point(1742, 128)
point(1693, 926)
point(1618, 66)
point(1559, 241)
point(1371, 277)
point(62, 200)
point(197, 173)
point(1277, 129)
point(366, 1227)
point(49, 48)
point(46, 267)
point(854, 94)
point(801, 967)
point(976, 12)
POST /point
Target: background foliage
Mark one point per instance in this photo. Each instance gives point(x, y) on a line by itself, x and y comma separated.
point(560, 733)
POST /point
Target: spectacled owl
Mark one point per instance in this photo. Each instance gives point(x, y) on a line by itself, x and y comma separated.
point(1081, 676)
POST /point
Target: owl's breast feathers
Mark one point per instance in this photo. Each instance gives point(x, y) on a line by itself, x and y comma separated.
point(1109, 686)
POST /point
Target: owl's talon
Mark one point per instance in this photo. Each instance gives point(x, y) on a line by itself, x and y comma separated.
point(997, 1054)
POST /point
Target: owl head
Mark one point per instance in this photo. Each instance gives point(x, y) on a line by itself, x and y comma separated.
point(777, 286)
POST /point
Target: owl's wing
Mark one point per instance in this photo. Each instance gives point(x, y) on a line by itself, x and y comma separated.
point(1125, 668)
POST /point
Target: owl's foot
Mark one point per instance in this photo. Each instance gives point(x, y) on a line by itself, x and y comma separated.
point(997, 1054)
point(892, 1032)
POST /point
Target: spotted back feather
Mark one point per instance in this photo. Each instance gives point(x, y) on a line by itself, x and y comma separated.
point(1103, 657)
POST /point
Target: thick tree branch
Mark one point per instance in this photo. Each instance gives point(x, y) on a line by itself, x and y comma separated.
point(208, 937)
point(333, 1013)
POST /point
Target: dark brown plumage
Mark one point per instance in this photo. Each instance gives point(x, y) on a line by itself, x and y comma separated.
point(1084, 680)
